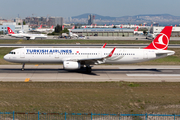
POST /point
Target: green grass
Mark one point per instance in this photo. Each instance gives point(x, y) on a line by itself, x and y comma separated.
point(4, 51)
point(108, 97)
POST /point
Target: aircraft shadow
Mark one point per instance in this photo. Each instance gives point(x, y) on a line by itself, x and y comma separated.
point(83, 71)
point(28, 70)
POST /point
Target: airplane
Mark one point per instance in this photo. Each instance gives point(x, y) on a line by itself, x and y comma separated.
point(25, 35)
point(40, 29)
point(136, 32)
point(151, 36)
point(72, 35)
point(77, 58)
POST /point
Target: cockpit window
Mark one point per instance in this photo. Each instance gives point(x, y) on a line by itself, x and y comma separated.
point(12, 52)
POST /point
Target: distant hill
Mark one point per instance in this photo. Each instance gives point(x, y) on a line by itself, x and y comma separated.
point(135, 16)
point(137, 19)
point(96, 16)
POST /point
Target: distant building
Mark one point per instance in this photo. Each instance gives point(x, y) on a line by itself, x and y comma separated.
point(121, 32)
point(156, 30)
point(35, 22)
point(56, 21)
point(18, 20)
point(91, 19)
point(15, 28)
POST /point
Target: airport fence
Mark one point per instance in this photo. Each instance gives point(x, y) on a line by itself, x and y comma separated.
point(84, 116)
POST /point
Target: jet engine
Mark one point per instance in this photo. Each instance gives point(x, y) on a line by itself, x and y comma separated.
point(71, 65)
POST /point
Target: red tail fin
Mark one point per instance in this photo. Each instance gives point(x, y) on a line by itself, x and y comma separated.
point(162, 40)
point(121, 25)
point(40, 27)
point(51, 27)
point(10, 31)
point(136, 29)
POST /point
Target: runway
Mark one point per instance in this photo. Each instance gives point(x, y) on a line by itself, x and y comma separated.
point(100, 73)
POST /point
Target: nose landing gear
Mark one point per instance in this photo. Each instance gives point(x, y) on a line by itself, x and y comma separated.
point(23, 65)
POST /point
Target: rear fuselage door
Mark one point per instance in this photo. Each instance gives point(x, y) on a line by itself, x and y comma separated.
point(145, 54)
point(99, 53)
point(56, 55)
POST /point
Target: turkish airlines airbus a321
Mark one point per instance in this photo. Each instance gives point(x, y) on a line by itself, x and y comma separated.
point(76, 58)
point(25, 35)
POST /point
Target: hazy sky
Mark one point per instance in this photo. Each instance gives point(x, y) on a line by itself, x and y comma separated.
point(69, 8)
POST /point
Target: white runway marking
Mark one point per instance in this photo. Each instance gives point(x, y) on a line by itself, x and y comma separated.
point(153, 74)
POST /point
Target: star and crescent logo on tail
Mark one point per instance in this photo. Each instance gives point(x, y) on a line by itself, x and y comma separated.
point(161, 42)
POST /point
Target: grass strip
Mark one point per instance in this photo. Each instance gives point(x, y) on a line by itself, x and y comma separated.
point(107, 97)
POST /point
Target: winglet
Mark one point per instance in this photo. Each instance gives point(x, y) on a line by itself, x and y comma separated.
point(104, 45)
point(110, 54)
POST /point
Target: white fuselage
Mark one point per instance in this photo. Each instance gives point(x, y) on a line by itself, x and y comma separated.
point(18, 35)
point(28, 36)
point(59, 55)
point(44, 30)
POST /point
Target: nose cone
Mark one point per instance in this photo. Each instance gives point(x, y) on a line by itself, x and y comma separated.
point(6, 57)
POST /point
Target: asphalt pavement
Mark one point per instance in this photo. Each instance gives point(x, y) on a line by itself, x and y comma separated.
point(100, 73)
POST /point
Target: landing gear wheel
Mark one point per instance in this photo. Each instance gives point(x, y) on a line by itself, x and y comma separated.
point(88, 69)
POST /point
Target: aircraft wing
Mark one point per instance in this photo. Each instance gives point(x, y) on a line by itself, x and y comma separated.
point(93, 60)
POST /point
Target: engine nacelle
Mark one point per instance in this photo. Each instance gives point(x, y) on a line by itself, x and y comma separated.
point(71, 65)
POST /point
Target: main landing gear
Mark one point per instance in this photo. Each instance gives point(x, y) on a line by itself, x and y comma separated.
point(23, 66)
point(88, 69)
